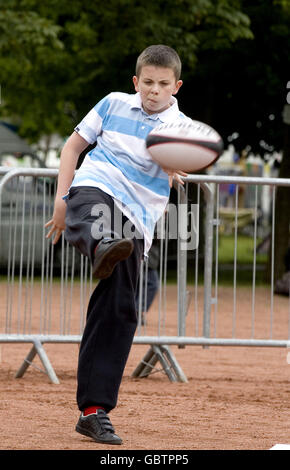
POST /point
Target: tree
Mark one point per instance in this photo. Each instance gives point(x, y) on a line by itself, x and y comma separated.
point(282, 213)
point(59, 58)
point(282, 223)
point(242, 90)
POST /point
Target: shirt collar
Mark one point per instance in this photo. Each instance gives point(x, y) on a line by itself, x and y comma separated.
point(164, 116)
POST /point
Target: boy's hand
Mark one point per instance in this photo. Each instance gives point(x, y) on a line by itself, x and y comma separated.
point(57, 223)
point(174, 175)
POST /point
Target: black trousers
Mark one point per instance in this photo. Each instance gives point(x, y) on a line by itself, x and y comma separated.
point(111, 316)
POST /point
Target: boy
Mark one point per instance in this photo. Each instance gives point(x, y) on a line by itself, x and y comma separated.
point(112, 205)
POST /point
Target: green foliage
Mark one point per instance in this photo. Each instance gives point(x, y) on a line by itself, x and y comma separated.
point(59, 58)
point(242, 89)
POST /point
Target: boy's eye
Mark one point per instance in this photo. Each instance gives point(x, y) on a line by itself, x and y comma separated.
point(149, 82)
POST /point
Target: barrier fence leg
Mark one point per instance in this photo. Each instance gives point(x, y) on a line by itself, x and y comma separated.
point(147, 364)
point(208, 256)
point(26, 363)
point(179, 374)
point(182, 260)
point(169, 364)
point(38, 348)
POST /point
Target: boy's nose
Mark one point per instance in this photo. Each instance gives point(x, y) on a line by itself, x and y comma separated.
point(155, 89)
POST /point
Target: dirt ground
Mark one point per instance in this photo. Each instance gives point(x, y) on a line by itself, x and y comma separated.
point(236, 398)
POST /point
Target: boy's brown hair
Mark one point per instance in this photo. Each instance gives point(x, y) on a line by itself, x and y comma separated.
point(160, 56)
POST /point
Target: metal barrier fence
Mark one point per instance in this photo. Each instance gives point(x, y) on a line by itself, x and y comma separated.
point(45, 288)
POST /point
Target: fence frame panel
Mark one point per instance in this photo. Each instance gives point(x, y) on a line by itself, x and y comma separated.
point(159, 343)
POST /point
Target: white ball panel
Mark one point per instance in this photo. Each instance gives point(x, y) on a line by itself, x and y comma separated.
point(182, 156)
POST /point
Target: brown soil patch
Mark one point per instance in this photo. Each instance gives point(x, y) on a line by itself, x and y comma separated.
point(235, 398)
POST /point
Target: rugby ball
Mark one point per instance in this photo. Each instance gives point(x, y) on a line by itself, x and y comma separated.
point(184, 145)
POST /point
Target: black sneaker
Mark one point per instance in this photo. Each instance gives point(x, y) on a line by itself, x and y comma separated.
point(108, 253)
point(99, 427)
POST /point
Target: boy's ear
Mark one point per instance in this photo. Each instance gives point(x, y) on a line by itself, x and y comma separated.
point(177, 86)
point(135, 81)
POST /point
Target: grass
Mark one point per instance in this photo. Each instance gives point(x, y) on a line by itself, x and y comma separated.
point(244, 252)
point(227, 257)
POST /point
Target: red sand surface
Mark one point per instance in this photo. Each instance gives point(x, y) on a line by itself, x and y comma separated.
point(235, 398)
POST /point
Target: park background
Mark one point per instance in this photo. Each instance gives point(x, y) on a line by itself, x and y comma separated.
point(57, 59)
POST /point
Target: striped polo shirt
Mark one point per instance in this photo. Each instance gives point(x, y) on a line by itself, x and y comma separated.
point(120, 164)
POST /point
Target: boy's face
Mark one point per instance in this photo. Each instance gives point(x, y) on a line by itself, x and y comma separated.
point(156, 86)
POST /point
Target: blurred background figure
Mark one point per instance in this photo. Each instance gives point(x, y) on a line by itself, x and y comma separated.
point(150, 282)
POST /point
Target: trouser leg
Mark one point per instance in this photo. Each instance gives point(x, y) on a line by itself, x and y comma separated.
point(149, 289)
point(91, 215)
point(111, 316)
point(108, 335)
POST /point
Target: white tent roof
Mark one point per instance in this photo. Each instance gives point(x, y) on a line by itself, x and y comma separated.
point(10, 142)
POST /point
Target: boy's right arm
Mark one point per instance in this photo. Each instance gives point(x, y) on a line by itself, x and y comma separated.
point(71, 151)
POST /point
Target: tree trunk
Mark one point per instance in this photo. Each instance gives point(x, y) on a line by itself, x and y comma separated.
point(282, 213)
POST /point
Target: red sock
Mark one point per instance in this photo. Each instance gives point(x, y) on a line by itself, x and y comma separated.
point(91, 410)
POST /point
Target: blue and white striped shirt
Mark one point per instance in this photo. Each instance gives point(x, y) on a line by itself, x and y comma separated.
point(120, 164)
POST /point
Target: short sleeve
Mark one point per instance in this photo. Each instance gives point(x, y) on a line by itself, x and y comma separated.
point(91, 125)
